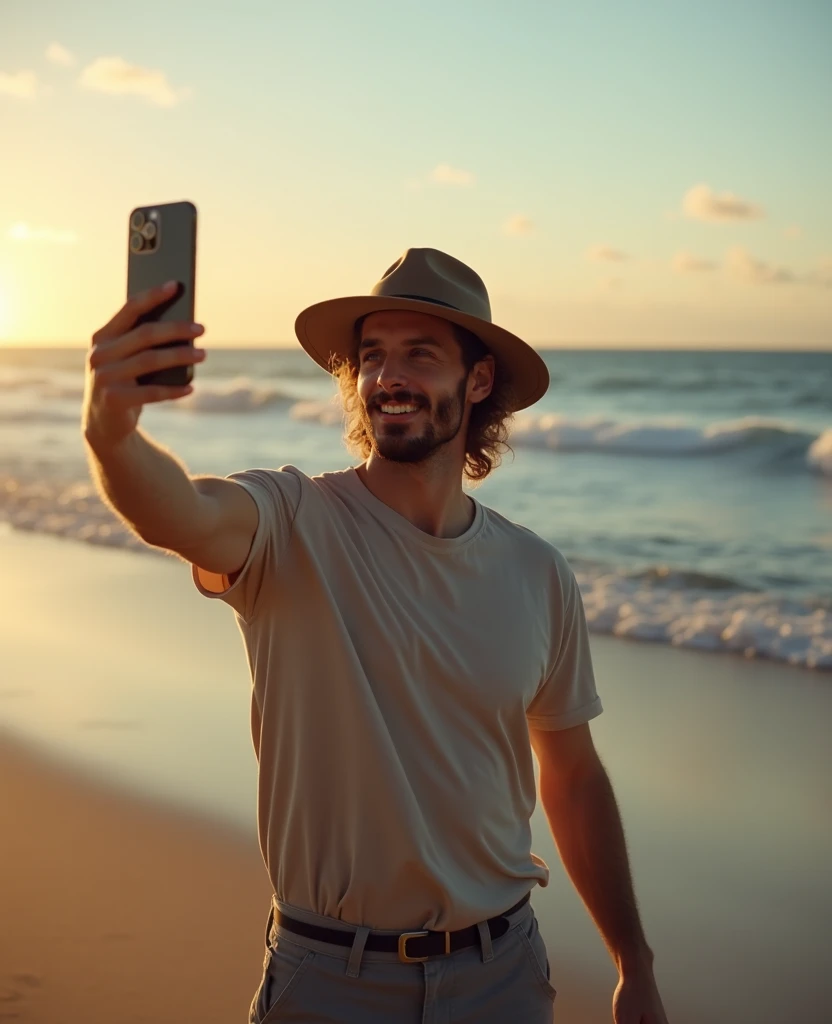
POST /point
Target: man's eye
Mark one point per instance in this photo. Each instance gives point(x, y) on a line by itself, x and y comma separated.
point(420, 352)
point(368, 355)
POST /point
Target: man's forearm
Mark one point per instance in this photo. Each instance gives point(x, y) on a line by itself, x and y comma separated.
point(587, 828)
point(148, 488)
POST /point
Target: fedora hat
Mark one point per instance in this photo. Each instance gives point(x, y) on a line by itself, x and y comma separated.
point(426, 281)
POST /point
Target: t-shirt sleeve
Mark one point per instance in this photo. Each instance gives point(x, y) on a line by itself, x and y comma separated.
point(277, 494)
point(567, 696)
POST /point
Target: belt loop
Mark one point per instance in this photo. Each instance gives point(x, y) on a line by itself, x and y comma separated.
point(269, 924)
point(357, 952)
point(485, 942)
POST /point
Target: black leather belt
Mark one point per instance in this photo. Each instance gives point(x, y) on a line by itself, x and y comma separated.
point(412, 947)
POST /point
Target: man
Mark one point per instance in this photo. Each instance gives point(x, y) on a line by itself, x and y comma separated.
point(409, 648)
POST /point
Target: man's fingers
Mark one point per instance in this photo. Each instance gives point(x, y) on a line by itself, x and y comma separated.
point(127, 397)
point(132, 310)
point(151, 360)
point(107, 353)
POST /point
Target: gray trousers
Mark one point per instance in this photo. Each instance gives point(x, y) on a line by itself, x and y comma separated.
point(310, 982)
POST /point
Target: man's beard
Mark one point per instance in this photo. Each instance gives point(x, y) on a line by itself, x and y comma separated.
point(397, 445)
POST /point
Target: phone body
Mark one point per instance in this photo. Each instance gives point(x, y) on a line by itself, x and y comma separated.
point(161, 248)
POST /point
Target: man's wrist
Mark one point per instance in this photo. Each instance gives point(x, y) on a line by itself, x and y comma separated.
point(633, 960)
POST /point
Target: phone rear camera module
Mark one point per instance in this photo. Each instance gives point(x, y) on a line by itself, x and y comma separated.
point(136, 242)
point(149, 230)
point(137, 220)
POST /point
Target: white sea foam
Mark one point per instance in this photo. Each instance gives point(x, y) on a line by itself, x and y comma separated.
point(557, 432)
point(819, 456)
point(655, 437)
point(755, 625)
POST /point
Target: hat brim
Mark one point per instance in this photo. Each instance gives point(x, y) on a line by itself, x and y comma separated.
point(327, 330)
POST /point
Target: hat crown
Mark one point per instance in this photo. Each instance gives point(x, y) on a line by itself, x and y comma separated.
point(433, 276)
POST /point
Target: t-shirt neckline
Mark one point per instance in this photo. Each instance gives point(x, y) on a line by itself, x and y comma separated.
point(404, 526)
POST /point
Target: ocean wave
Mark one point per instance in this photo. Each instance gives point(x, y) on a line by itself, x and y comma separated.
point(755, 625)
point(680, 607)
point(63, 416)
point(327, 414)
point(557, 432)
point(819, 456)
point(238, 395)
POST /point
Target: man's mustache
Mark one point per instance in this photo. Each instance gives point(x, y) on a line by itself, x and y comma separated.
point(400, 397)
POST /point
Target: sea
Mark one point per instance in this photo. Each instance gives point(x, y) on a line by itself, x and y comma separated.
point(691, 491)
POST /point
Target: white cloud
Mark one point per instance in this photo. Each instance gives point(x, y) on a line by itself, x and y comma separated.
point(444, 174)
point(606, 254)
point(51, 236)
point(23, 85)
point(742, 265)
point(518, 225)
point(58, 54)
point(116, 76)
point(702, 203)
point(684, 263)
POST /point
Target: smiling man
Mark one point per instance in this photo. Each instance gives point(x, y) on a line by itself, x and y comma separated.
point(410, 648)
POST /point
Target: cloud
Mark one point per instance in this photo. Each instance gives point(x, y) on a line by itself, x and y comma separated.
point(116, 76)
point(444, 174)
point(702, 203)
point(50, 236)
point(684, 263)
point(58, 54)
point(793, 231)
point(23, 85)
point(518, 225)
point(606, 254)
point(742, 265)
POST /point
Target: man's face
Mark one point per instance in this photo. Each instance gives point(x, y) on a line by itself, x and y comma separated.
point(412, 384)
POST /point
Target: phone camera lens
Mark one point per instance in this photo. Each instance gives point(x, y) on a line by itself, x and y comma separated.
point(137, 220)
point(136, 242)
point(149, 230)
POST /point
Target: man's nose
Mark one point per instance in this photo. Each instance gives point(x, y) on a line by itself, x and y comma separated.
point(391, 375)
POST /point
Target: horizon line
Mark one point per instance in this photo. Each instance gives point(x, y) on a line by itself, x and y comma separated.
point(596, 345)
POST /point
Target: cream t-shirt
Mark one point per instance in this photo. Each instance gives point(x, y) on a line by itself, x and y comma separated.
point(394, 674)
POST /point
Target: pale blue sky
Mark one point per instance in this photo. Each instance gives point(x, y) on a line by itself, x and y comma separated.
point(310, 132)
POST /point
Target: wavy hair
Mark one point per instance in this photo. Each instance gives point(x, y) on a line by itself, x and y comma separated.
point(486, 439)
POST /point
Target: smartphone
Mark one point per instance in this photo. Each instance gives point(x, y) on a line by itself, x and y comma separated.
point(162, 247)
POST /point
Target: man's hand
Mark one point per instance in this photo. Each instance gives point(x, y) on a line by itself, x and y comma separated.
point(120, 352)
point(637, 1000)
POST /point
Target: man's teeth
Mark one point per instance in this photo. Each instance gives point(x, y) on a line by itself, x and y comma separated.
point(395, 409)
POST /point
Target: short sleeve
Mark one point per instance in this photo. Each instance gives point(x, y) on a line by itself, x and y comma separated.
point(277, 494)
point(567, 697)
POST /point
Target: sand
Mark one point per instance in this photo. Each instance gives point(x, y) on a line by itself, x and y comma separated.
point(144, 898)
point(117, 910)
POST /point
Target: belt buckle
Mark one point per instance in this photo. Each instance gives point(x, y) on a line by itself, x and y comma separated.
point(405, 959)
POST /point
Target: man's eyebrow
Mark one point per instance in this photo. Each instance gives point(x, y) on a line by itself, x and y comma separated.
point(369, 342)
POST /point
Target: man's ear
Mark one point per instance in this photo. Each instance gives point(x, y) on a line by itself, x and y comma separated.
point(481, 379)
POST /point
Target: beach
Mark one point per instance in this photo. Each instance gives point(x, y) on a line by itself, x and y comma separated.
point(132, 888)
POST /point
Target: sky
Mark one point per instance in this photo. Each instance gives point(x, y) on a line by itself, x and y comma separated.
point(620, 173)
